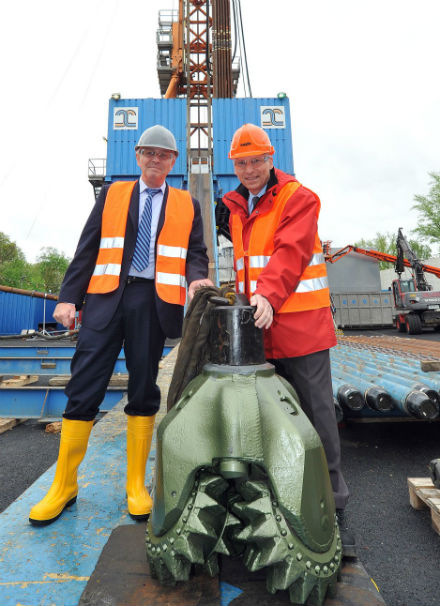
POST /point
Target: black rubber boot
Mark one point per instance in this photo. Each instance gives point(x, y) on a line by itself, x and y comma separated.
point(347, 537)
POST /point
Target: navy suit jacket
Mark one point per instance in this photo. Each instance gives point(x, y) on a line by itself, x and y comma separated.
point(99, 309)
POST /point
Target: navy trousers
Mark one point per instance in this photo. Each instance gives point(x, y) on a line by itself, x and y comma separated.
point(310, 376)
point(135, 326)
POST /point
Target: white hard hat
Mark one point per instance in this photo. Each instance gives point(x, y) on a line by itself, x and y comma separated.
point(158, 136)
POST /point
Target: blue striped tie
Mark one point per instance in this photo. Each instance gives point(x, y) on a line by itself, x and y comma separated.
point(142, 248)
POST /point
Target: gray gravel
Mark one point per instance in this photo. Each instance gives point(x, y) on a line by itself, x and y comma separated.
point(26, 452)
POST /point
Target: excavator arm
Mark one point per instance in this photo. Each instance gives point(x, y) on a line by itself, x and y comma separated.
point(380, 256)
point(404, 250)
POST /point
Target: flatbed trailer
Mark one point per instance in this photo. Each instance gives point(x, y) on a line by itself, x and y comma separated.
point(45, 399)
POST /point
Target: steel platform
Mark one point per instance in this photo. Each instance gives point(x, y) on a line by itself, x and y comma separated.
point(35, 365)
point(43, 401)
point(33, 350)
point(122, 578)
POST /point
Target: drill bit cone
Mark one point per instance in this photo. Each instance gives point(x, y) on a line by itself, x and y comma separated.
point(241, 470)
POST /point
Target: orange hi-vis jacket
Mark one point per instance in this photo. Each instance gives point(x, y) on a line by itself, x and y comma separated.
point(172, 243)
point(312, 290)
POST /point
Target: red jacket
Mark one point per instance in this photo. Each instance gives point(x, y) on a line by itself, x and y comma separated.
point(299, 333)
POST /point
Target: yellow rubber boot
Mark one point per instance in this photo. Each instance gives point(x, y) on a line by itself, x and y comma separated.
point(62, 493)
point(139, 436)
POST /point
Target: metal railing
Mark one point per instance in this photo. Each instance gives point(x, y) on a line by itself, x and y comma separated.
point(96, 168)
point(199, 164)
point(167, 17)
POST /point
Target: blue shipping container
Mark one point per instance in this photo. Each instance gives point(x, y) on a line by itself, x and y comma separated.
point(127, 119)
point(270, 113)
point(24, 312)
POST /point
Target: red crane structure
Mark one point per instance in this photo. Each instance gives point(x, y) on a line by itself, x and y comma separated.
point(375, 254)
point(416, 305)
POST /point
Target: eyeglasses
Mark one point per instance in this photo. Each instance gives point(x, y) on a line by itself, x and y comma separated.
point(152, 153)
point(254, 162)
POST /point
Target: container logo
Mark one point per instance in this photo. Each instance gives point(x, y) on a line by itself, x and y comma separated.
point(272, 116)
point(125, 118)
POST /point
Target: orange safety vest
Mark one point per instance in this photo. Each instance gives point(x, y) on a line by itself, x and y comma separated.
point(312, 290)
point(172, 243)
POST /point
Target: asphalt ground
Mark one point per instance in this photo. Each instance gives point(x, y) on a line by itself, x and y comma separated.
point(26, 452)
point(396, 543)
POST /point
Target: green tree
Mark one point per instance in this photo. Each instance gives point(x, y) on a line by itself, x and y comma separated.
point(14, 270)
point(45, 275)
point(429, 211)
point(386, 243)
point(51, 266)
point(9, 251)
point(18, 274)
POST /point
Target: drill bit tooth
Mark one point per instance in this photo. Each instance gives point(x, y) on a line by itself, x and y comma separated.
point(301, 589)
point(283, 574)
point(318, 593)
point(211, 565)
point(222, 548)
point(164, 575)
point(190, 549)
point(196, 526)
point(265, 528)
point(252, 490)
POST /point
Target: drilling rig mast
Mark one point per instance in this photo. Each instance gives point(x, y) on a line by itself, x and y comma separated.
point(195, 62)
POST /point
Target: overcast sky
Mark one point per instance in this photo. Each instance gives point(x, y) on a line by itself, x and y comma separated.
point(362, 78)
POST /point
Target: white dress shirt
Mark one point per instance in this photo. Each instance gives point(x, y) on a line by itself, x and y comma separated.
point(251, 197)
point(148, 272)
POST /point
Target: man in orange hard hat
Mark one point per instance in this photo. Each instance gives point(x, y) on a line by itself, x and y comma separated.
point(273, 224)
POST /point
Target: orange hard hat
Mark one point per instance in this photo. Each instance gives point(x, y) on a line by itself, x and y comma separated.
point(250, 140)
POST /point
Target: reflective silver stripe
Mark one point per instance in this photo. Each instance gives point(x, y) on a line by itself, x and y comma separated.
point(259, 260)
point(172, 251)
point(312, 284)
point(253, 285)
point(317, 259)
point(170, 279)
point(241, 287)
point(240, 263)
point(112, 243)
point(108, 269)
point(263, 260)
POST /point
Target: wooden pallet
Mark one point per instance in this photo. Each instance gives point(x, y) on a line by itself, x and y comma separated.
point(7, 424)
point(17, 381)
point(116, 380)
point(422, 493)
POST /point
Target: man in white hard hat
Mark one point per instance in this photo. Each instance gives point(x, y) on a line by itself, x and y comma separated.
point(141, 245)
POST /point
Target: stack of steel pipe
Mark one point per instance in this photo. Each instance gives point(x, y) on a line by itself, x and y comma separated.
point(405, 366)
point(347, 396)
point(353, 391)
point(386, 381)
point(400, 346)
